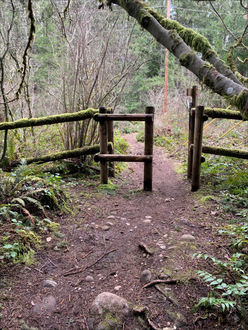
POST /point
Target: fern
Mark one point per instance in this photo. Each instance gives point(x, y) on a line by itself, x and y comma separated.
point(224, 296)
point(212, 302)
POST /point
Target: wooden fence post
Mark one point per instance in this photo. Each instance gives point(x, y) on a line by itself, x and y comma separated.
point(103, 133)
point(111, 139)
point(197, 148)
point(194, 94)
point(148, 150)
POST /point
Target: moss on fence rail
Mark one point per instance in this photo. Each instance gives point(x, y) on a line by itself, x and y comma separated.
point(89, 150)
point(223, 113)
point(243, 154)
point(49, 120)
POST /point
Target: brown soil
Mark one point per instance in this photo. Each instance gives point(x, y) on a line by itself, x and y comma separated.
point(111, 255)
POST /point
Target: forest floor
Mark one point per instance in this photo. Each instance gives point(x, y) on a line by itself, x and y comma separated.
point(114, 235)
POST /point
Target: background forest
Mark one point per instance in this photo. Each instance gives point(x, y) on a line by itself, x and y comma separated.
point(69, 56)
point(64, 56)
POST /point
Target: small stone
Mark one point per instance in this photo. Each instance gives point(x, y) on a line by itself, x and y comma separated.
point(105, 228)
point(187, 237)
point(46, 305)
point(89, 278)
point(111, 217)
point(50, 284)
point(127, 223)
point(147, 221)
point(148, 217)
point(117, 287)
point(109, 223)
point(145, 276)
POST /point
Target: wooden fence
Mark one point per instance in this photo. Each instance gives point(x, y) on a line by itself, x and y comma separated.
point(51, 120)
point(106, 135)
point(105, 117)
point(197, 116)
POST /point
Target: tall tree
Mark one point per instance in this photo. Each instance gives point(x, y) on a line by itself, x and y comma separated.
point(184, 43)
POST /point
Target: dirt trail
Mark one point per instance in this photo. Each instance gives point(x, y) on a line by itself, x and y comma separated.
point(118, 221)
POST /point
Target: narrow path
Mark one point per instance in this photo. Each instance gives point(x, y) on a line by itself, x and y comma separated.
point(100, 252)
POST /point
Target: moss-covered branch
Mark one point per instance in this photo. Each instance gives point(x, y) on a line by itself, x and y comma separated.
point(89, 150)
point(228, 87)
point(49, 120)
point(225, 152)
point(192, 38)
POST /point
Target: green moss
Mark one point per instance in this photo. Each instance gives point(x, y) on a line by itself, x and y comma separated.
point(53, 226)
point(190, 37)
point(49, 120)
point(241, 102)
point(28, 236)
point(207, 198)
point(186, 59)
point(29, 257)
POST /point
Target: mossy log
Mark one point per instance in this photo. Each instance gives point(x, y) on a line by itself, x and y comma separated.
point(49, 120)
point(225, 152)
point(223, 113)
point(89, 150)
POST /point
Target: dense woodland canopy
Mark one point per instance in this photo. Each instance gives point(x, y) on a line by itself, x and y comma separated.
point(59, 56)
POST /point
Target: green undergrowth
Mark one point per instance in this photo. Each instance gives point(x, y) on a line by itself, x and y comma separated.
point(228, 179)
point(27, 197)
point(169, 142)
point(225, 183)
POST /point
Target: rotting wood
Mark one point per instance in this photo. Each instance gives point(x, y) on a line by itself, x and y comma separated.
point(148, 149)
point(122, 158)
point(148, 285)
point(243, 154)
point(142, 312)
point(145, 248)
point(49, 120)
point(88, 150)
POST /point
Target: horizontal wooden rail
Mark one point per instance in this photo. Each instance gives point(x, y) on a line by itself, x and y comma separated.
point(89, 150)
point(225, 152)
point(124, 117)
point(49, 120)
point(123, 158)
point(221, 113)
